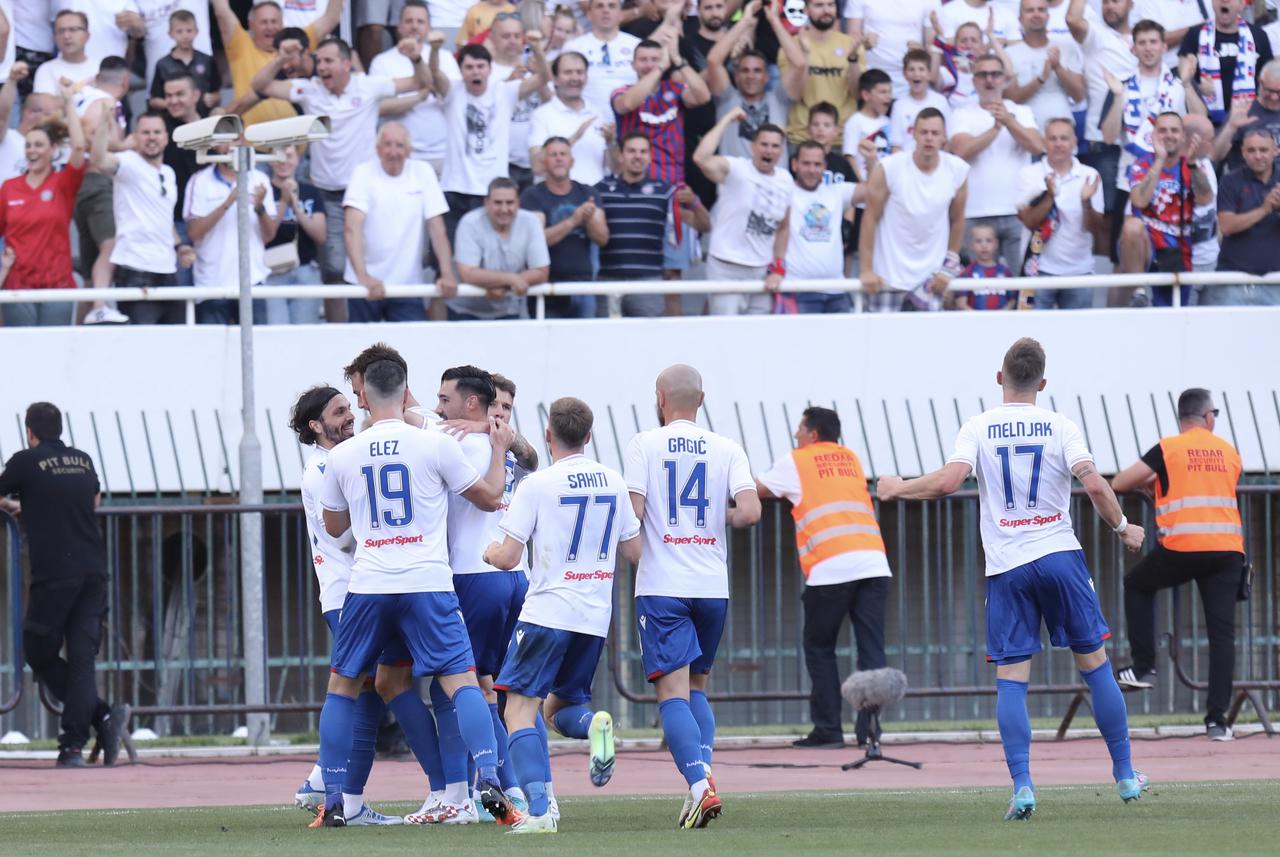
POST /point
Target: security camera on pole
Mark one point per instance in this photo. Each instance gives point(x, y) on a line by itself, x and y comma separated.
point(275, 137)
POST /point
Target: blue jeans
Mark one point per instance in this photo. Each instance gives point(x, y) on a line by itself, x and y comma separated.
point(36, 315)
point(391, 309)
point(295, 310)
point(1242, 295)
point(1064, 298)
point(824, 302)
point(228, 312)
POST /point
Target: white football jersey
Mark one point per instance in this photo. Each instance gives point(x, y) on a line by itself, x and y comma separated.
point(575, 511)
point(395, 480)
point(331, 557)
point(472, 529)
point(1022, 455)
point(687, 476)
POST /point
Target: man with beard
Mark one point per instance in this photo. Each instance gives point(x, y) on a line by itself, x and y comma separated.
point(815, 250)
point(144, 191)
point(820, 65)
point(749, 222)
point(322, 418)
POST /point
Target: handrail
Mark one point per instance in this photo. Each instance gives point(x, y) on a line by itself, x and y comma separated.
point(15, 620)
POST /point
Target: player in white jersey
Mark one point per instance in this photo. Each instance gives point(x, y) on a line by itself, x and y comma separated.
point(389, 486)
point(681, 478)
point(578, 514)
point(322, 418)
point(1024, 457)
point(489, 598)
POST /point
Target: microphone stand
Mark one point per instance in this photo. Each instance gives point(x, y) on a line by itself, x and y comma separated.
point(873, 746)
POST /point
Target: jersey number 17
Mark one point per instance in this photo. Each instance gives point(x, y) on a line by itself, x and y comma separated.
point(1036, 453)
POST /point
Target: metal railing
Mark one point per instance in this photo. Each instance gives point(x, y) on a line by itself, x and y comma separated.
point(173, 643)
point(191, 294)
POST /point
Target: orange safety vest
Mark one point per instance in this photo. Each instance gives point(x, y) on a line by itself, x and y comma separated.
point(1198, 512)
point(834, 515)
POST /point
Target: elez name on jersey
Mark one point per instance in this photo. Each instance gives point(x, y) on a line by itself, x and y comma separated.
point(996, 431)
point(384, 447)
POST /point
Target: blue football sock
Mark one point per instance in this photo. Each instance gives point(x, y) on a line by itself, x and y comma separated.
point(1112, 718)
point(420, 732)
point(476, 729)
point(453, 753)
point(335, 744)
point(683, 737)
point(528, 758)
point(506, 773)
point(573, 721)
point(1015, 729)
point(706, 718)
point(541, 725)
point(364, 737)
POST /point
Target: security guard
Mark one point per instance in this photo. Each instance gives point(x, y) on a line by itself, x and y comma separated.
point(1194, 475)
point(842, 556)
point(67, 599)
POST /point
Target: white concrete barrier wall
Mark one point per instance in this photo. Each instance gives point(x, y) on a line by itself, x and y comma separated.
point(159, 407)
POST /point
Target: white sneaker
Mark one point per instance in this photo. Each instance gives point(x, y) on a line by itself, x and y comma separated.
point(106, 315)
point(370, 817)
point(462, 814)
point(440, 812)
point(553, 809)
point(536, 824)
point(685, 810)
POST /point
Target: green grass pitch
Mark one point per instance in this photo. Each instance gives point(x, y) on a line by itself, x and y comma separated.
point(1081, 821)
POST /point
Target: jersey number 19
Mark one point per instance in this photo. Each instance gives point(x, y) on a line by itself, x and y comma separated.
point(391, 484)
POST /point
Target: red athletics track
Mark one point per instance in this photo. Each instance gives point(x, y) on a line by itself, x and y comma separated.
point(35, 785)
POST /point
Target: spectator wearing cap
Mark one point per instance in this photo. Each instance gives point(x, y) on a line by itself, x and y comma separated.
point(1249, 218)
point(249, 50)
point(420, 112)
point(389, 201)
point(502, 249)
point(350, 99)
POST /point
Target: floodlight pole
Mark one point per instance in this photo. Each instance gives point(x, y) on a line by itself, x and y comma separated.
point(252, 620)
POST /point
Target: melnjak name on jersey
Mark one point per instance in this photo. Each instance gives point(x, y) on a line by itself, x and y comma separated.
point(999, 431)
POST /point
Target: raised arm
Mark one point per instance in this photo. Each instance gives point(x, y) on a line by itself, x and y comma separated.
point(1077, 23)
point(716, 167)
point(941, 482)
point(75, 130)
point(541, 74)
point(102, 158)
point(1112, 123)
point(439, 80)
point(486, 493)
point(716, 74)
point(328, 22)
point(228, 23)
point(634, 95)
point(264, 83)
point(797, 70)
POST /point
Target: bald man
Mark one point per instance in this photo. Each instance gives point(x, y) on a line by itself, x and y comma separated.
point(681, 478)
point(385, 205)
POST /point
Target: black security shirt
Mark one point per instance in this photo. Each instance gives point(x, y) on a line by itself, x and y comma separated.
point(57, 486)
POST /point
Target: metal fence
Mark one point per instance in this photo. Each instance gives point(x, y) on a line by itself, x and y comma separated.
point(173, 644)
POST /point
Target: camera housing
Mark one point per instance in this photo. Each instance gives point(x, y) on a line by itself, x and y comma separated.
point(295, 130)
point(210, 132)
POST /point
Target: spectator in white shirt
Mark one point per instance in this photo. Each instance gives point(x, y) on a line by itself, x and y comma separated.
point(1060, 201)
point(478, 111)
point(815, 250)
point(111, 25)
point(1177, 17)
point(995, 136)
point(507, 38)
point(568, 115)
point(31, 32)
point(609, 53)
point(350, 99)
point(421, 112)
point(917, 69)
point(1048, 75)
point(71, 30)
point(749, 225)
point(211, 215)
point(1107, 49)
point(389, 200)
point(909, 243)
point(147, 251)
point(887, 27)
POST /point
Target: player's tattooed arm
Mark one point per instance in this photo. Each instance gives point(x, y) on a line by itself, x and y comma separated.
point(1107, 506)
point(526, 455)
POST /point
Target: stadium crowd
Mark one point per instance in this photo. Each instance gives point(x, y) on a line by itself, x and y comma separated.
point(907, 143)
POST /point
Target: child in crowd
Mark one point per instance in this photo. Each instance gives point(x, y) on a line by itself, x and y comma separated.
point(866, 134)
point(824, 126)
point(984, 245)
point(560, 27)
point(917, 67)
point(185, 59)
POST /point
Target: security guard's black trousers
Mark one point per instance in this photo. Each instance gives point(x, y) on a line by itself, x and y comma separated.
point(1217, 575)
point(825, 609)
point(71, 612)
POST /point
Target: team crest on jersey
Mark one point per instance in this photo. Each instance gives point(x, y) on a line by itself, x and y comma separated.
point(646, 189)
point(46, 195)
point(355, 102)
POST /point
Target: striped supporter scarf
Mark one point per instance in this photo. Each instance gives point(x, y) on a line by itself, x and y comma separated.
point(1245, 77)
point(1139, 123)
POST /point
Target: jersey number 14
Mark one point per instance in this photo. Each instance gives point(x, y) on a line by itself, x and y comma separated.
point(693, 495)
